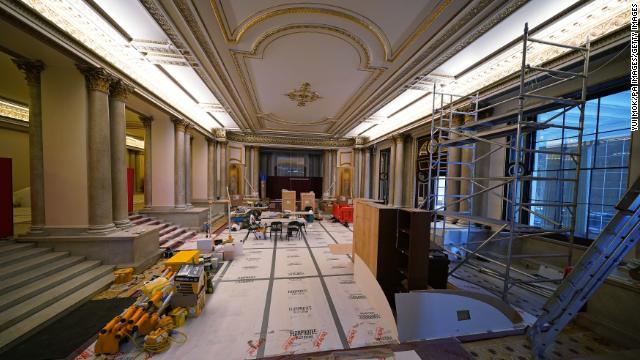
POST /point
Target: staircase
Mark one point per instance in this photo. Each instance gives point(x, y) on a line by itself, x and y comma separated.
point(38, 285)
point(171, 236)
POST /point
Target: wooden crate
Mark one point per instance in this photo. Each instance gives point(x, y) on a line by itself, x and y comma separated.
point(288, 200)
point(308, 199)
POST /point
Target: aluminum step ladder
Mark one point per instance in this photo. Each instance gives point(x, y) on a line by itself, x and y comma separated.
point(601, 258)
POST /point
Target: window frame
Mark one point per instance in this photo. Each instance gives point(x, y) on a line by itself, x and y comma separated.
point(530, 164)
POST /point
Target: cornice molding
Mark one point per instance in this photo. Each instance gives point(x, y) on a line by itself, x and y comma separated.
point(27, 19)
point(296, 141)
point(159, 15)
point(425, 60)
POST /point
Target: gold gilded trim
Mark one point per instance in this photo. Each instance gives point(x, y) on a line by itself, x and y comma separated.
point(13, 110)
point(289, 140)
point(271, 13)
point(240, 57)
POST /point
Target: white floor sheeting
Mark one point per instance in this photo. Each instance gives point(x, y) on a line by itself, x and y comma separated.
point(284, 297)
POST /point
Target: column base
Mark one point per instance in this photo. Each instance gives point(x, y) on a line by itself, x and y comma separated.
point(97, 229)
point(122, 223)
point(182, 207)
point(36, 229)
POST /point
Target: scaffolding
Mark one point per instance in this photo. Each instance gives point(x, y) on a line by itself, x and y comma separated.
point(448, 136)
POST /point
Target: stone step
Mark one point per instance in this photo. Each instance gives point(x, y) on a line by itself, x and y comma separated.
point(172, 235)
point(14, 247)
point(167, 229)
point(6, 242)
point(176, 242)
point(142, 220)
point(37, 272)
point(22, 255)
point(134, 217)
point(28, 264)
point(15, 314)
point(14, 297)
point(35, 321)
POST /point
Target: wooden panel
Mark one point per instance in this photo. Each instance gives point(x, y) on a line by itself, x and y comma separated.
point(288, 200)
point(308, 199)
point(373, 234)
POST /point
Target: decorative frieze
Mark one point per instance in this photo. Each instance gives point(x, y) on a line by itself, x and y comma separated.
point(281, 140)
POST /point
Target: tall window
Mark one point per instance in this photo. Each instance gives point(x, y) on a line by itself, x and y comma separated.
point(383, 176)
point(603, 165)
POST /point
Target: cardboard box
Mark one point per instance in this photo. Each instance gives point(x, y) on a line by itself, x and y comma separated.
point(205, 245)
point(189, 279)
point(194, 303)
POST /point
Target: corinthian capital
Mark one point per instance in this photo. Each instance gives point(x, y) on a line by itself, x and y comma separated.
point(31, 70)
point(97, 78)
point(120, 90)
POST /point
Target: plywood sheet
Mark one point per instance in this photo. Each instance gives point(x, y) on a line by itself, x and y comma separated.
point(341, 249)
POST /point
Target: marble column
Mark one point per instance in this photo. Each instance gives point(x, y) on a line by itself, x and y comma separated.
point(399, 162)
point(367, 173)
point(146, 121)
point(334, 171)
point(117, 100)
point(355, 174)
point(247, 171)
point(178, 166)
point(211, 169)
point(32, 70)
point(326, 173)
point(466, 157)
point(223, 170)
point(188, 138)
point(453, 170)
point(256, 171)
point(99, 149)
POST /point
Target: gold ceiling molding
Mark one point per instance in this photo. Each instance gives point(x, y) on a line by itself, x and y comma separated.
point(274, 118)
point(433, 54)
point(289, 140)
point(239, 58)
point(14, 110)
point(303, 95)
point(267, 14)
point(258, 47)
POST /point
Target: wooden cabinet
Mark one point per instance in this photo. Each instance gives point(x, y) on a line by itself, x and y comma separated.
point(394, 243)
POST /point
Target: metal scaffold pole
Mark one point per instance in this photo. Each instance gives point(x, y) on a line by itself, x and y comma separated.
point(522, 219)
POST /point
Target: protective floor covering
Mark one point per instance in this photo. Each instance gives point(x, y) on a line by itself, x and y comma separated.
point(283, 297)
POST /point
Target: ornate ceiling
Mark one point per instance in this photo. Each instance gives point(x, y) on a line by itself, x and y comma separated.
point(353, 54)
point(327, 69)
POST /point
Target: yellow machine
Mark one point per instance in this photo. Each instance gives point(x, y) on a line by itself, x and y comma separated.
point(182, 258)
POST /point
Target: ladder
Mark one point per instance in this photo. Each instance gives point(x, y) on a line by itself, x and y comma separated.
point(601, 258)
